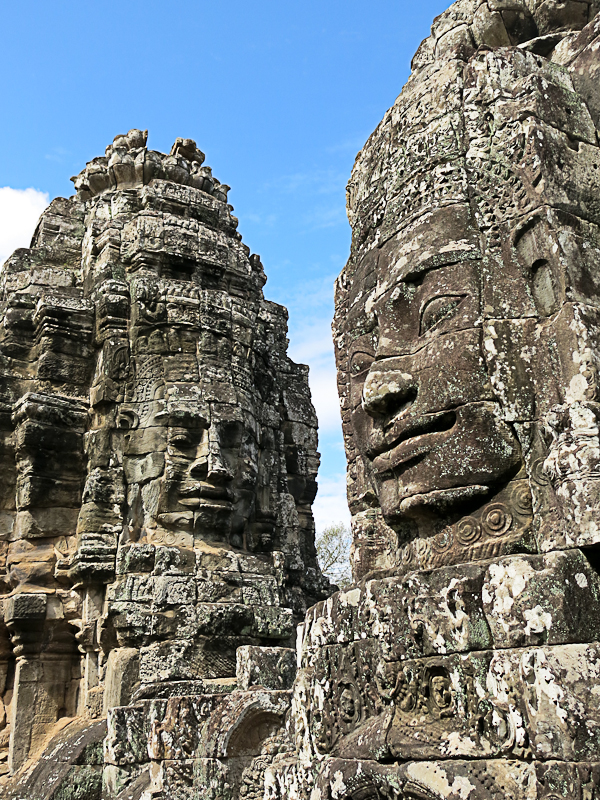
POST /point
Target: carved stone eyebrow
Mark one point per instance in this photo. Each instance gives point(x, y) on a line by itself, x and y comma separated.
point(437, 261)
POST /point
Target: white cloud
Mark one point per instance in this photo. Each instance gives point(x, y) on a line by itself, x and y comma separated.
point(331, 505)
point(19, 212)
point(312, 340)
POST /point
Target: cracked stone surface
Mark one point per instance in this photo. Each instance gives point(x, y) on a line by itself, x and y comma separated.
point(158, 459)
point(159, 449)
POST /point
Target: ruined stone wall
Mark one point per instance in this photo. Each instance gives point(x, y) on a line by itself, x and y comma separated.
point(158, 451)
point(464, 662)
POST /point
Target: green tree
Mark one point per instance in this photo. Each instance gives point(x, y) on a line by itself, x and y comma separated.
point(333, 552)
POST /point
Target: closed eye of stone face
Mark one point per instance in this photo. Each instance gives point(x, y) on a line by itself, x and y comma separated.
point(182, 439)
point(437, 309)
point(360, 363)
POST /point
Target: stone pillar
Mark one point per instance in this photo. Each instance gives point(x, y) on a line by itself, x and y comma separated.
point(24, 616)
point(90, 698)
point(6, 659)
point(44, 650)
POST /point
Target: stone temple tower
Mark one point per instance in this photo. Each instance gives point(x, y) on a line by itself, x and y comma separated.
point(465, 662)
point(158, 450)
point(159, 454)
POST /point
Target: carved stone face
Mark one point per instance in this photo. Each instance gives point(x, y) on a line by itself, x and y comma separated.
point(466, 318)
point(211, 466)
point(193, 448)
point(423, 411)
point(156, 434)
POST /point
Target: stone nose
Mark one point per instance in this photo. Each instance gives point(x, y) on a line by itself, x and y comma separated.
point(388, 391)
point(216, 468)
point(210, 463)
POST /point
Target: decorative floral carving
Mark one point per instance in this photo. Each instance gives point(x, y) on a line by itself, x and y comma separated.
point(468, 531)
point(498, 519)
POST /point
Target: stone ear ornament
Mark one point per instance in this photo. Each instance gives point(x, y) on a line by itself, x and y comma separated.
point(127, 419)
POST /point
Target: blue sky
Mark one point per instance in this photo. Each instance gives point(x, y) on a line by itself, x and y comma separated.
point(279, 95)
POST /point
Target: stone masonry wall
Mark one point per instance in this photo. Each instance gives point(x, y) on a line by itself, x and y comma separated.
point(158, 453)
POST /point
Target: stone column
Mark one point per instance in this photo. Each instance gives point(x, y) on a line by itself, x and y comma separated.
point(44, 649)
point(90, 699)
point(6, 657)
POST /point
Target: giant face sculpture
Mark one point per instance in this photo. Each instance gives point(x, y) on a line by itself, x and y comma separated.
point(204, 475)
point(193, 378)
point(466, 316)
point(423, 407)
point(158, 446)
point(466, 334)
point(191, 431)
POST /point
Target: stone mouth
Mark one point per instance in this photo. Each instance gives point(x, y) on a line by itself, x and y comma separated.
point(412, 438)
point(440, 498)
point(204, 494)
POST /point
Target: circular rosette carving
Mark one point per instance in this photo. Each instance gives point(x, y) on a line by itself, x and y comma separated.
point(127, 419)
point(443, 541)
point(468, 531)
point(497, 519)
point(522, 501)
point(421, 550)
point(537, 472)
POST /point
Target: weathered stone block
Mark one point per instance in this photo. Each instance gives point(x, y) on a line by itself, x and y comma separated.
point(173, 591)
point(174, 561)
point(122, 677)
point(187, 659)
point(140, 470)
point(41, 522)
point(271, 667)
point(128, 731)
point(24, 607)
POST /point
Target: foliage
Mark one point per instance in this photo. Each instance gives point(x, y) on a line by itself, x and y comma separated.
point(333, 552)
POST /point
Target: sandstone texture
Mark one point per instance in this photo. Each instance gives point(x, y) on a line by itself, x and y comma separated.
point(160, 461)
point(464, 663)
